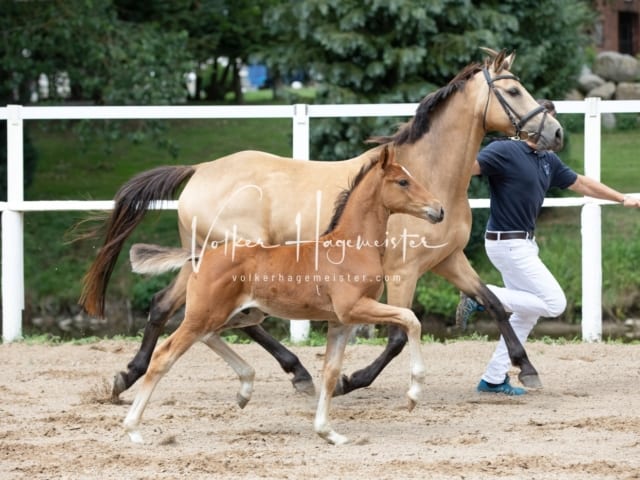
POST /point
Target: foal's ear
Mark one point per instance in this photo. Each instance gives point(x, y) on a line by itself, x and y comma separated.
point(386, 157)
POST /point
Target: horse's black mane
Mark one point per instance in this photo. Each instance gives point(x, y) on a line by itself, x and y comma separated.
point(343, 197)
point(415, 128)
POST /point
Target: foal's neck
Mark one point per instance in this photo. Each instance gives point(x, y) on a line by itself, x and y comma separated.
point(365, 216)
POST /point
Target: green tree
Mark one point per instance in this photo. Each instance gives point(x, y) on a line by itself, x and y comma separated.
point(107, 61)
point(217, 29)
point(400, 50)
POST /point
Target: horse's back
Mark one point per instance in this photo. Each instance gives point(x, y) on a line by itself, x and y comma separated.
point(258, 196)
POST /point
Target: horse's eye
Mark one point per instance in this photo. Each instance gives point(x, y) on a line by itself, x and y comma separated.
point(513, 91)
point(403, 183)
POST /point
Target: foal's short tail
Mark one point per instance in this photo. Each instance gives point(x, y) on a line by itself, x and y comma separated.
point(131, 203)
point(154, 259)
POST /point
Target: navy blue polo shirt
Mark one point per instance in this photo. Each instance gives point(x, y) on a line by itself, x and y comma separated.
point(519, 178)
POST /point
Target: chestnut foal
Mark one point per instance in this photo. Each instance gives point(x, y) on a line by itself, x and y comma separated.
point(337, 277)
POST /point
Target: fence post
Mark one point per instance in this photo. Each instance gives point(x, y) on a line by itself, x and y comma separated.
point(12, 231)
point(591, 230)
point(300, 328)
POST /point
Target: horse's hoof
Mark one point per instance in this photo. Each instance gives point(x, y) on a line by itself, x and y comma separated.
point(305, 386)
point(530, 380)
point(341, 386)
point(411, 404)
point(242, 401)
point(119, 386)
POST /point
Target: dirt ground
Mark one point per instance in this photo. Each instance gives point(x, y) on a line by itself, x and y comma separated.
point(585, 423)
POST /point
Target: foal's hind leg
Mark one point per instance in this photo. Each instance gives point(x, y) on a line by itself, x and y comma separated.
point(163, 305)
point(161, 361)
point(245, 372)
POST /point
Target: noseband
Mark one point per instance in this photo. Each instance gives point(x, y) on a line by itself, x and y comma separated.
point(517, 121)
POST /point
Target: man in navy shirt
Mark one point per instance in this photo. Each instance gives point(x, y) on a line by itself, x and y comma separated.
point(519, 177)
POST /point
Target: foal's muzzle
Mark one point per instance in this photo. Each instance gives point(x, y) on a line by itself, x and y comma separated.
point(434, 215)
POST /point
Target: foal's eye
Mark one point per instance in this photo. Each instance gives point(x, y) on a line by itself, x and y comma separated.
point(403, 183)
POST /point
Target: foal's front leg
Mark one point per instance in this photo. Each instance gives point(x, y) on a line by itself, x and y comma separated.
point(367, 310)
point(337, 339)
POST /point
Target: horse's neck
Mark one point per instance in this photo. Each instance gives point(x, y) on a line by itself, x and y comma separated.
point(364, 216)
point(442, 159)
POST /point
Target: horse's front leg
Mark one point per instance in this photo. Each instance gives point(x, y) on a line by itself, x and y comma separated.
point(460, 273)
point(289, 362)
point(528, 375)
point(400, 294)
point(163, 305)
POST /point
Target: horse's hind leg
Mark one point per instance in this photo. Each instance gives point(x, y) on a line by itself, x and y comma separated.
point(163, 305)
point(161, 361)
point(245, 372)
point(289, 362)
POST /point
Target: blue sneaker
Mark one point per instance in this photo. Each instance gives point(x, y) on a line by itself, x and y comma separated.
point(504, 387)
point(465, 310)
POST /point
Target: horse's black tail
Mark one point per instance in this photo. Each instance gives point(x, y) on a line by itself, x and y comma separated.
point(131, 203)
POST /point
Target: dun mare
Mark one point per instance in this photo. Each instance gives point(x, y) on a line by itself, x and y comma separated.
point(338, 278)
point(438, 145)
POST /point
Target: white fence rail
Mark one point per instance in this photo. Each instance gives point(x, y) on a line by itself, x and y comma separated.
point(15, 206)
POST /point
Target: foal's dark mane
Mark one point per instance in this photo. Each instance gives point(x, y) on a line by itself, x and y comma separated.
point(343, 197)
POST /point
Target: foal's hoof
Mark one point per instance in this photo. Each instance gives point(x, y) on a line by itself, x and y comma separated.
point(530, 380)
point(242, 401)
point(119, 386)
point(135, 436)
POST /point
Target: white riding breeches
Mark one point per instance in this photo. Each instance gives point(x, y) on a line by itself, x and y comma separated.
point(530, 291)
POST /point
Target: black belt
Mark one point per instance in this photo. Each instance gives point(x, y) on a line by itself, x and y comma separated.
point(509, 235)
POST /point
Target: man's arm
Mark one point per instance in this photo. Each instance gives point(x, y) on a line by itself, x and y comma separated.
point(592, 188)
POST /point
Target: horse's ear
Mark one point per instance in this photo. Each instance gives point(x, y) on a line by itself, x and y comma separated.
point(508, 61)
point(500, 60)
point(490, 51)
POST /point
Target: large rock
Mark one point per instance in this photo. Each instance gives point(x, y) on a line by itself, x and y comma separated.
point(588, 81)
point(616, 67)
point(628, 91)
point(605, 91)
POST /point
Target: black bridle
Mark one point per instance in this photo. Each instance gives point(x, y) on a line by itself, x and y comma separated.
point(517, 121)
